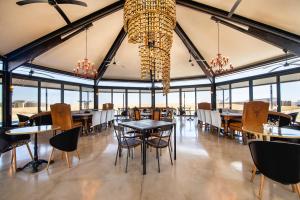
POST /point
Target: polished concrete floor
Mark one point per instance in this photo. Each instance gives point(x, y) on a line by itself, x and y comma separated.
point(208, 167)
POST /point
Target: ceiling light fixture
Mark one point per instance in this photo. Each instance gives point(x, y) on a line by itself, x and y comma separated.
point(150, 23)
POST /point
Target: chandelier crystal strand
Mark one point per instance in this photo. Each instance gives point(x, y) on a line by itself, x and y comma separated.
point(85, 68)
point(150, 23)
point(219, 64)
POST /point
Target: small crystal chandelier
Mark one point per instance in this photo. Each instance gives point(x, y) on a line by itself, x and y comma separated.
point(220, 63)
point(85, 68)
point(150, 23)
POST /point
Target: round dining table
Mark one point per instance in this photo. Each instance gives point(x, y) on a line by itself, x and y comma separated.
point(33, 130)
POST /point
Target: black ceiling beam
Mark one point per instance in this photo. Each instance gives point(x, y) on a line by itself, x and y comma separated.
point(238, 19)
point(110, 54)
point(194, 51)
point(55, 35)
point(265, 36)
point(47, 69)
point(26, 56)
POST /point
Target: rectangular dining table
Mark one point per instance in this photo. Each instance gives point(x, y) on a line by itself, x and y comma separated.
point(227, 116)
point(147, 125)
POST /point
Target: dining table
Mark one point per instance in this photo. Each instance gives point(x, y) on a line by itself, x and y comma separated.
point(84, 117)
point(144, 126)
point(227, 116)
point(33, 130)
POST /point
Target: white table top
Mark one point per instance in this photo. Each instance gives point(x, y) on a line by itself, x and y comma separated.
point(32, 130)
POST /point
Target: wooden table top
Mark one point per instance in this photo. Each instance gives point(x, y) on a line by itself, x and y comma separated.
point(277, 132)
point(146, 124)
point(32, 130)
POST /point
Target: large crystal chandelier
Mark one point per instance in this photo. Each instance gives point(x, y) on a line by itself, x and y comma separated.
point(150, 23)
point(85, 68)
point(220, 63)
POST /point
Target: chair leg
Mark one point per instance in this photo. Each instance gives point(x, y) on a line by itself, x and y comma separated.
point(30, 153)
point(157, 155)
point(15, 158)
point(67, 158)
point(12, 157)
point(297, 187)
point(261, 187)
point(128, 150)
point(253, 173)
point(170, 155)
point(50, 157)
point(117, 156)
point(77, 152)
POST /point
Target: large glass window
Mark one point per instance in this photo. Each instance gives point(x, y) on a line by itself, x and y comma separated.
point(223, 100)
point(266, 90)
point(145, 98)
point(133, 98)
point(240, 94)
point(119, 99)
point(71, 96)
point(50, 94)
point(104, 96)
point(160, 99)
point(188, 99)
point(290, 95)
point(203, 95)
point(24, 98)
point(87, 98)
point(173, 99)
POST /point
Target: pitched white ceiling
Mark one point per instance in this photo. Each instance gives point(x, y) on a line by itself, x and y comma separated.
point(100, 37)
point(128, 62)
point(278, 13)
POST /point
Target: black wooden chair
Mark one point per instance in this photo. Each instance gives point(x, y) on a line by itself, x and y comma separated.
point(43, 118)
point(294, 116)
point(125, 142)
point(23, 120)
point(281, 118)
point(162, 140)
point(279, 161)
point(11, 142)
point(67, 142)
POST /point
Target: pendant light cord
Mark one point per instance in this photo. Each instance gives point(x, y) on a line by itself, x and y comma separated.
point(218, 37)
point(86, 43)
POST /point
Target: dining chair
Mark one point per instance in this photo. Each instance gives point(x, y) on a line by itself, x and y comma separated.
point(279, 161)
point(294, 116)
point(216, 120)
point(11, 143)
point(95, 121)
point(162, 141)
point(137, 115)
point(103, 121)
point(124, 142)
point(281, 119)
point(207, 118)
point(202, 114)
point(66, 142)
point(42, 118)
point(156, 115)
point(23, 120)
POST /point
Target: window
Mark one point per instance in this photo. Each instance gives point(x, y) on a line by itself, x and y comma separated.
point(203, 95)
point(240, 94)
point(223, 97)
point(133, 98)
point(290, 96)
point(50, 94)
point(104, 96)
point(71, 96)
point(146, 98)
point(188, 99)
point(119, 99)
point(87, 101)
point(160, 99)
point(173, 99)
point(265, 90)
point(24, 98)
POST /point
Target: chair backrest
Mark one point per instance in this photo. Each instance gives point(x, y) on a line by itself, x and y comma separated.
point(204, 106)
point(23, 118)
point(67, 140)
point(281, 118)
point(61, 116)
point(103, 116)
point(120, 134)
point(202, 114)
point(216, 120)
point(255, 114)
point(137, 115)
point(155, 115)
point(107, 106)
point(294, 116)
point(165, 133)
point(199, 114)
point(207, 116)
point(279, 161)
point(42, 118)
point(96, 118)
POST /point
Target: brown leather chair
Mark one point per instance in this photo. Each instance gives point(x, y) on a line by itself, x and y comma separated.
point(255, 114)
point(137, 115)
point(107, 106)
point(62, 116)
point(155, 115)
point(204, 106)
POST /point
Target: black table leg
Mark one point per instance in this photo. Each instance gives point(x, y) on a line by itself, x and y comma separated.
point(144, 153)
point(174, 141)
